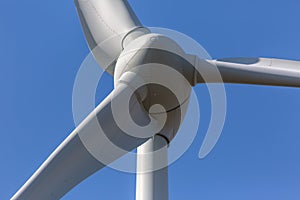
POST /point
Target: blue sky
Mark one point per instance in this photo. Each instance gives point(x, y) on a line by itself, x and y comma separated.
point(42, 47)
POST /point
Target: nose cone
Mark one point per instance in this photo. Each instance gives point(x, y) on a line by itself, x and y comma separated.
point(154, 66)
point(157, 63)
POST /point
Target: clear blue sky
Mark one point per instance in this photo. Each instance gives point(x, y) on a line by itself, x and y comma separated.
point(258, 155)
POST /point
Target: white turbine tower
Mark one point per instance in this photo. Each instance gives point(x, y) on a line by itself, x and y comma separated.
point(153, 80)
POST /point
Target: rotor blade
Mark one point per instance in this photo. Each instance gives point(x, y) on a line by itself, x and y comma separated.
point(258, 71)
point(107, 25)
point(95, 143)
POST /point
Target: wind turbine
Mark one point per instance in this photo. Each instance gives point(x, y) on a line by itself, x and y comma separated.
point(130, 116)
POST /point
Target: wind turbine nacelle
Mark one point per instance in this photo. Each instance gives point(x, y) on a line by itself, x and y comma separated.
point(155, 66)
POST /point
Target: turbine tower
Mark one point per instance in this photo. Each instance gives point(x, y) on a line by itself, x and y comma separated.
point(153, 78)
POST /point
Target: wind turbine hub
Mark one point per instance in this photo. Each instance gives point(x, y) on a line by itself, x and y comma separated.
point(155, 66)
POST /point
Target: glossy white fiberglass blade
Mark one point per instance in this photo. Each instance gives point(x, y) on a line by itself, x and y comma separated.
point(107, 24)
point(95, 143)
point(258, 71)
